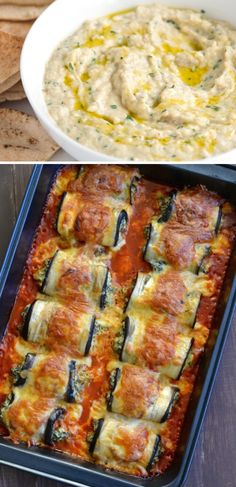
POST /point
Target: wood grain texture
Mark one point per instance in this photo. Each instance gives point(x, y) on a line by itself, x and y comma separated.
point(214, 463)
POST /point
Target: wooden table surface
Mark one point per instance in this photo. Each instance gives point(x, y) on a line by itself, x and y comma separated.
point(214, 463)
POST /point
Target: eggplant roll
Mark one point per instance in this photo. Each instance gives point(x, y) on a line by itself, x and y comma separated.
point(50, 379)
point(101, 221)
point(176, 245)
point(156, 344)
point(72, 273)
point(118, 440)
point(197, 208)
point(173, 292)
point(120, 183)
point(58, 327)
point(139, 393)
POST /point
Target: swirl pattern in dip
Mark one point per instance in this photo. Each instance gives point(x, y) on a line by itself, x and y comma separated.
point(150, 83)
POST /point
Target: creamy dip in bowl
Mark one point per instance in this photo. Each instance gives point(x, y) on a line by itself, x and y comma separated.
point(151, 82)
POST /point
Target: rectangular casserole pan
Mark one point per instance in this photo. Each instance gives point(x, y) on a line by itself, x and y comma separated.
point(74, 471)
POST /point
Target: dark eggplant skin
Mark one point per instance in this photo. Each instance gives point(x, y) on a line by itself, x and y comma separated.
point(174, 399)
point(90, 337)
point(117, 374)
point(195, 318)
point(219, 218)
point(96, 435)
point(123, 217)
point(149, 234)
point(27, 364)
point(55, 415)
point(130, 297)
point(103, 296)
point(26, 321)
point(156, 453)
point(59, 210)
point(70, 395)
point(47, 272)
point(169, 208)
point(185, 360)
point(126, 332)
point(133, 188)
point(201, 263)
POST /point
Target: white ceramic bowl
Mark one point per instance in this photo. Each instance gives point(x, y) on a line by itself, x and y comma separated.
point(61, 19)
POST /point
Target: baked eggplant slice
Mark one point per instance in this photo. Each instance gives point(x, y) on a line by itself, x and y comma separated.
point(102, 221)
point(198, 207)
point(78, 378)
point(48, 271)
point(78, 271)
point(27, 413)
point(106, 290)
point(5, 406)
point(169, 291)
point(20, 371)
point(97, 425)
point(157, 452)
point(139, 285)
point(41, 325)
point(120, 183)
point(126, 384)
point(167, 207)
point(133, 188)
point(219, 220)
point(110, 432)
point(121, 227)
point(142, 347)
point(90, 337)
point(175, 369)
point(71, 387)
point(55, 416)
point(168, 245)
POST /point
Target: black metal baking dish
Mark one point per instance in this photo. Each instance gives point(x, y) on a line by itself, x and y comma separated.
point(73, 471)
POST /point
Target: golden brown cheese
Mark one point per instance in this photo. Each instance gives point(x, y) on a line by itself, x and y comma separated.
point(140, 393)
point(100, 180)
point(78, 273)
point(88, 219)
point(58, 327)
point(123, 441)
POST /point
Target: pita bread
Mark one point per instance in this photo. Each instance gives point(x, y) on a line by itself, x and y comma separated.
point(10, 49)
point(9, 82)
point(20, 29)
point(36, 3)
point(22, 138)
point(16, 92)
point(19, 12)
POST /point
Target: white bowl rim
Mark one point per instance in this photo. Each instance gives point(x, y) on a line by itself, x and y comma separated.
point(61, 137)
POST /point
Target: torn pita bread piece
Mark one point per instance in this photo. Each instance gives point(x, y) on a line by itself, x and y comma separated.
point(9, 82)
point(23, 139)
point(36, 3)
point(14, 93)
point(10, 50)
point(20, 12)
point(20, 29)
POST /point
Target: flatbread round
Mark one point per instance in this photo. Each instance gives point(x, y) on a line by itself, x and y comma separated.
point(19, 29)
point(10, 50)
point(23, 139)
point(16, 92)
point(36, 3)
point(9, 82)
point(19, 12)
